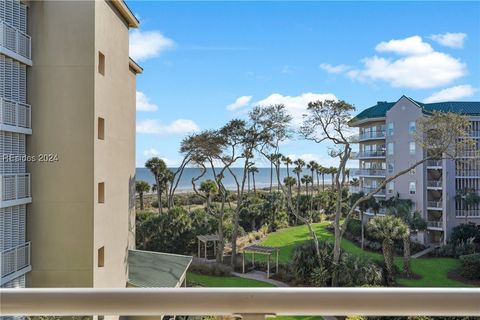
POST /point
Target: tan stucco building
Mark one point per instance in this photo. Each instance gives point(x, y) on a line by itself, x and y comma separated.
point(80, 84)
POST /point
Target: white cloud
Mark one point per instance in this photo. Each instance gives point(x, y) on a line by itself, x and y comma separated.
point(152, 152)
point(334, 69)
point(241, 102)
point(449, 39)
point(143, 103)
point(295, 105)
point(180, 126)
point(148, 44)
point(323, 159)
point(451, 94)
point(419, 71)
point(408, 46)
point(287, 69)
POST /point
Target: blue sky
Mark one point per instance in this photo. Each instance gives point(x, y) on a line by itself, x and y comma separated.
point(208, 62)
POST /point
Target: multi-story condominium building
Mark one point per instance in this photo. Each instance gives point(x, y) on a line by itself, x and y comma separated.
point(15, 127)
point(386, 146)
point(68, 103)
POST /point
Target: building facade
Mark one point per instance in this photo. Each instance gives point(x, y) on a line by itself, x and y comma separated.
point(81, 85)
point(387, 146)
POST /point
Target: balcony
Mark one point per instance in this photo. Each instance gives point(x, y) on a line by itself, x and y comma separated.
point(472, 213)
point(244, 303)
point(435, 205)
point(434, 164)
point(370, 135)
point(380, 173)
point(434, 184)
point(470, 173)
point(435, 225)
point(368, 189)
point(15, 189)
point(15, 116)
point(14, 262)
point(15, 43)
point(368, 154)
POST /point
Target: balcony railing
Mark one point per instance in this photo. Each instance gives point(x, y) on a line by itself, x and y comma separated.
point(15, 40)
point(368, 172)
point(368, 189)
point(434, 204)
point(434, 163)
point(435, 224)
point(370, 135)
point(14, 186)
point(15, 114)
point(15, 259)
point(248, 303)
point(434, 184)
point(370, 154)
point(472, 213)
point(468, 173)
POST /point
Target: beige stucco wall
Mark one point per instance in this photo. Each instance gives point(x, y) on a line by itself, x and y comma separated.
point(65, 223)
point(115, 156)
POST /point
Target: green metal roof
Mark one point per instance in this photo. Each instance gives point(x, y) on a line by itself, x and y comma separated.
point(380, 110)
point(147, 269)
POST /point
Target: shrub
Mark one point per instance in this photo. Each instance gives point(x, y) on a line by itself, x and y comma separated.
point(470, 266)
point(462, 233)
point(354, 227)
point(214, 269)
point(456, 250)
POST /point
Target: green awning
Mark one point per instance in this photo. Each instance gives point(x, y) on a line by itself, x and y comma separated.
point(147, 269)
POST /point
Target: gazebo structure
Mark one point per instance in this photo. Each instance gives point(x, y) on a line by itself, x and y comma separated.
point(261, 250)
point(205, 239)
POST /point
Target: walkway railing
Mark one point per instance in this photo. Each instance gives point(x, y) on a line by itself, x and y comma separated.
point(251, 303)
point(15, 114)
point(15, 40)
point(15, 259)
point(14, 186)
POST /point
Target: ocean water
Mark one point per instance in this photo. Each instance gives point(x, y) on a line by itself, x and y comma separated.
point(262, 178)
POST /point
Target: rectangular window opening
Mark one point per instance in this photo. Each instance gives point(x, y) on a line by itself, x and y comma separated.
point(101, 257)
point(101, 192)
point(101, 63)
point(101, 128)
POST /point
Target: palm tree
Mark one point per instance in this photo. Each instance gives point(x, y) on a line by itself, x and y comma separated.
point(312, 165)
point(306, 180)
point(289, 182)
point(253, 170)
point(468, 198)
point(322, 170)
point(141, 187)
point(287, 162)
point(388, 229)
point(332, 171)
point(209, 187)
point(158, 168)
point(362, 207)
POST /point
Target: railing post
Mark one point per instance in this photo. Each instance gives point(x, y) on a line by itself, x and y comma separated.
point(15, 259)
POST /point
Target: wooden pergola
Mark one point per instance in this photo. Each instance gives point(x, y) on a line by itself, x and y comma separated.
point(205, 239)
point(261, 250)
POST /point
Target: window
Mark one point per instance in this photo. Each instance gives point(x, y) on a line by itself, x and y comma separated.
point(391, 168)
point(412, 126)
point(390, 129)
point(101, 192)
point(390, 148)
point(412, 186)
point(391, 187)
point(101, 257)
point(411, 147)
point(101, 63)
point(101, 129)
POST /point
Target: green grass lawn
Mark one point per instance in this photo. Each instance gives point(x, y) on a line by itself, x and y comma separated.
point(223, 282)
point(433, 271)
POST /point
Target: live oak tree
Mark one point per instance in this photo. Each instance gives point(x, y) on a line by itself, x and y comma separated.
point(441, 135)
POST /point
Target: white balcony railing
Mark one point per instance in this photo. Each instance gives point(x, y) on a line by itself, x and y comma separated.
point(15, 259)
point(435, 224)
point(434, 163)
point(368, 189)
point(368, 172)
point(15, 114)
point(437, 184)
point(371, 135)
point(370, 154)
point(472, 213)
point(14, 186)
point(434, 204)
point(14, 40)
point(247, 303)
point(468, 173)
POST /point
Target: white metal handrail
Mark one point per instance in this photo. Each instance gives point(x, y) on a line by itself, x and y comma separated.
point(435, 224)
point(368, 172)
point(434, 184)
point(14, 186)
point(468, 173)
point(14, 113)
point(434, 204)
point(15, 259)
point(372, 153)
point(434, 163)
point(472, 213)
point(372, 135)
point(15, 40)
point(243, 301)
